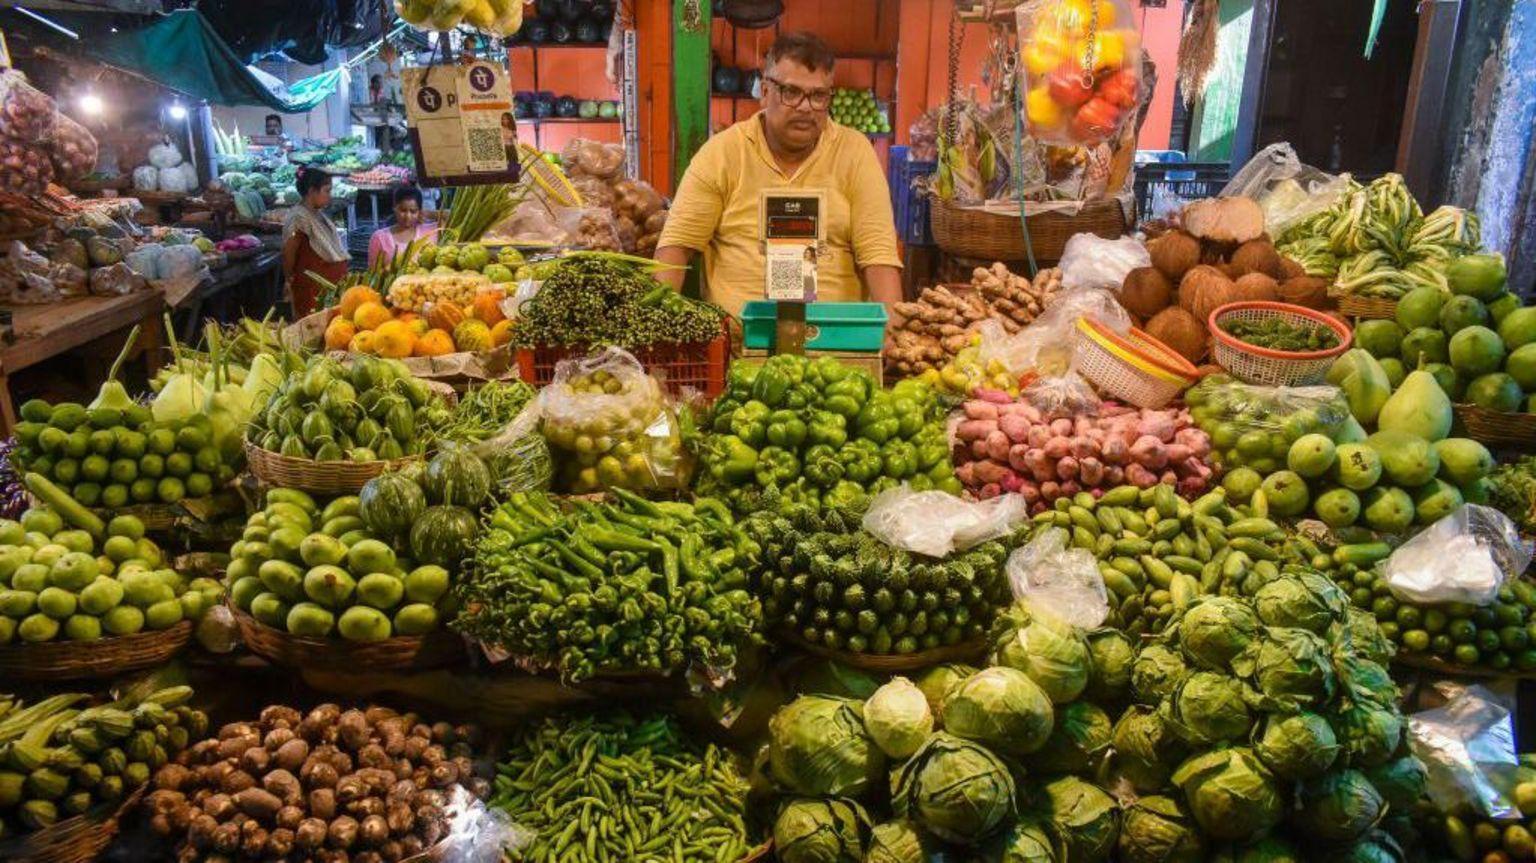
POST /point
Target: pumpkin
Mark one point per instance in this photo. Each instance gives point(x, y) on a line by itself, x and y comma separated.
point(472, 335)
point(444, 536)
point(365, 342)
point(395, 339)
point(445, 315)
point(371, 316)
point(488, 307)
point(390, 503)
point(338, 334)
point(501, 333)
point(355, 297)
point(457, 477)
point(434, 343)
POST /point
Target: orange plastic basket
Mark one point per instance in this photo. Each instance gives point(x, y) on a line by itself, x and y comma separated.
point(698, 366)
point(1135, 368)
point(1259, 365)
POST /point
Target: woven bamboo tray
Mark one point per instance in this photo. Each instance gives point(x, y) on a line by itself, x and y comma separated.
point(761, 852)
point(90, 660)
point(1436, 665)
point(80, 839)
point(319, 477)
point(1497, 428)
point(972, 233)
point(893, 662)
point(403, 653)
point(1367, 307)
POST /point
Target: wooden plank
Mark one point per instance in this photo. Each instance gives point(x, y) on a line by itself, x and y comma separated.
point(45, 331)
point(1421, 141)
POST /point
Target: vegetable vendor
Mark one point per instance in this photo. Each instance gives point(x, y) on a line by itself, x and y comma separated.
point(791, 144)
point(311, 243)
point(408, 227)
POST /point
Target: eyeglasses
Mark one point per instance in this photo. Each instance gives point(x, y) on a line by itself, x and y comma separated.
point(794, 97)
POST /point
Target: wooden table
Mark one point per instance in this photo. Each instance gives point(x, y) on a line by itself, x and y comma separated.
point(47, 330)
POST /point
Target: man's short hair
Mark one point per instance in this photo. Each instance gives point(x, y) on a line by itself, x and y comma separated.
point(270, 117)
point(804, 48)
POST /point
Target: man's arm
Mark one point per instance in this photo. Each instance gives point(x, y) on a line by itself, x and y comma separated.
point(874, 232)
point(693, 219)
point(677, 259)
point(884, 284)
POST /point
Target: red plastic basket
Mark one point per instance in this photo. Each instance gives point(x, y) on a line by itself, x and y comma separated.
point(1259, 365)
point(699, 366)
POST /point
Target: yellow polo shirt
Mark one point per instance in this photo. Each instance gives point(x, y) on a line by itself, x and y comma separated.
point(718, 205)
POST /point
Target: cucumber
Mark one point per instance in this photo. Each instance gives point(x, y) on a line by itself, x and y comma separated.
point(67, 507)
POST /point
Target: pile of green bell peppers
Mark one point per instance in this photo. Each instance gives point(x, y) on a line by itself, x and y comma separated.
point(790, 431)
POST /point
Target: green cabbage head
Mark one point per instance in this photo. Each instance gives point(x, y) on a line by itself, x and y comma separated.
point(1215, 629)
point(1292, 668)
point(1084, 819)
point(1110, 657)
point(1156, 673)
point(954, 789)
point(1339, 807)
point(1025, 841)
point(820, 831)
point(1232, 796)
point(1145, 749)
point(1159, 830)
point(1297, 745)
point(1076, 744)
point(937, 682)
point(895, 842)
point(1208, 708)
point(1053, 654)
point(1001, 708)
point(1305, 599)
point(898, 718)
point(817, 746)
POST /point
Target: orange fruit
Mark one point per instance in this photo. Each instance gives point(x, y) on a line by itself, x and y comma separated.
point(487, 306)
point(395, 339)
point(365, 342)
point(339, 333)
point(501, 333)
point(434, 343)
point(370, 316)
point(419, 326)
point(355, 296)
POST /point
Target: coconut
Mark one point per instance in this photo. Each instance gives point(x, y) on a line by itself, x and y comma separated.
point(1225, 221)
point(1256, 287)
point(1309, 291)
point(1257, 256)
point(1146, 292)
point(1289, 269)
point(1180, 331)
point(1174, 254)
point(1203, 289)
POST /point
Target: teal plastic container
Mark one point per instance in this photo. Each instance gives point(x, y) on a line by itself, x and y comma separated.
point(832, 326)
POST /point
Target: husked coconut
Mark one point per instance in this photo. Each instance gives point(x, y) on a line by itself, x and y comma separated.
point(1178, 329)
point(1257, 256)
point(1146, 292)
point(1174, 254)
point(1304, 290)
point(1225, 221)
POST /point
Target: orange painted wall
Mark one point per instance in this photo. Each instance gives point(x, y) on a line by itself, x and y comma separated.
point(1160, 37)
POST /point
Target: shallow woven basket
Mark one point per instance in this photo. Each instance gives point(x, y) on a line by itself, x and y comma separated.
point(319, 477)
point(1436, 665)
point(761, 852)
point(1497, 428)
point(1135, 368)
point(92, 660)
point(890, 662)
point(1259, 365)
point(402, 653)
point(1367, 307)
point(972, 233)
point(80, 839)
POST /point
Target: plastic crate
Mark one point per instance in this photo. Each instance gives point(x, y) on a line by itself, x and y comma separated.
point(1158, 184)
point(699, 367)
point(908, 201)
point(829, 326)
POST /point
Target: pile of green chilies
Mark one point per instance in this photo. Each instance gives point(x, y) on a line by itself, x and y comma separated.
point(616, 788)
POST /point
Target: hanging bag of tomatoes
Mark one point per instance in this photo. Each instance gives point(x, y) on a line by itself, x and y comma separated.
point(1081, 67)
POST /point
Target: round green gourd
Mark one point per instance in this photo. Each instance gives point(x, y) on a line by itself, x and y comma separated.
point(390, 503)
point(444, 536)
point(457, 477)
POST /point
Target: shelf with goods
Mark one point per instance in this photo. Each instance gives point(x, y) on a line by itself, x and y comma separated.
point(578, 71)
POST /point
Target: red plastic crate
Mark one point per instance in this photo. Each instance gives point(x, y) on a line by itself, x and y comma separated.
point(699, 366)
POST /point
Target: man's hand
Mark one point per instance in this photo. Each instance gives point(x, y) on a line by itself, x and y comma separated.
point(677, 259)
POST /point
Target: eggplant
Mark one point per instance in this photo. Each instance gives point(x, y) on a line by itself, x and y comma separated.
point(566, 106)
point(727, 80)
point(544, 106)
point(586, 30)
point(537, 32)
point(560, 33)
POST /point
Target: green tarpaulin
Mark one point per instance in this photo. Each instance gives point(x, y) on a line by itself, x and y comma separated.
point(183, 52)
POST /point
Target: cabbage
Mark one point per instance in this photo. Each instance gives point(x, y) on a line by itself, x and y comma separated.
point(1290, 666)
point(164, 156)
point(1146, 749)
point(898, 718)
point(1027, 841)
point(1053, 654)
point(1110, 656)
point(1206, 709)
point(817, 746)
point(1338, 807)
point(1400, 781)
point(1297, 746)
point(145, 260)
point(895, 842)
point(1215, 629)
point(1308, 600)
point(820, 831)
point(937, 682)
point(1156, 673)
point(179, 262)
point(1084, 819)
point(173, 180)
point(955, 789)
point(1001, 708)
point(1230, 793)
point(1077, 743)
point(1159, 830)
point(189, 175)
point(146, 178)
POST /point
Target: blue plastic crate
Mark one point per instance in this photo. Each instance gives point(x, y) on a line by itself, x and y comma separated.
point(908, 202)
point(829, 326)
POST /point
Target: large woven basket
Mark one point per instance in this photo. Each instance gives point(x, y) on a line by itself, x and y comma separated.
point(319, 477)
point(1497, 428)
point(892, 662)
point(1265, 366)
point(1135, 368)
point(402, 653)
point(80, 839)
point(974, 233)
point(1375, 308)
point(92, 660)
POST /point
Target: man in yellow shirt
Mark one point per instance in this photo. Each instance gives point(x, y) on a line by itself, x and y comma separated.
point(791, 143)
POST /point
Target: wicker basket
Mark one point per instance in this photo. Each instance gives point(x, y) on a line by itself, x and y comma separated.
point(1258, 365)
point(402, 653)
point(1367, 307)
point(318, 477)
point(80, 839)
point(1497, 428)
point(883, 663)
point(760, 853)
point(973, 233)
point(1135, 368)
point(92, 660)
point(1436, 665)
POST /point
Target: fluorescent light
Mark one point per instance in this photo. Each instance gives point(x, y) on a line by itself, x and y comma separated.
point(178, 111)
point(90, 103)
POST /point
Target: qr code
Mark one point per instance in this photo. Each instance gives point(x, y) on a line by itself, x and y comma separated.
point(485, 146)
point(785, 278)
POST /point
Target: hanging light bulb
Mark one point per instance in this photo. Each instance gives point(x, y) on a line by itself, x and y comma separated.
point(91, 104)
point(178, 111)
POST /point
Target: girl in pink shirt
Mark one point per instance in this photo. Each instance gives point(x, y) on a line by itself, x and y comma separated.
point(387, 242)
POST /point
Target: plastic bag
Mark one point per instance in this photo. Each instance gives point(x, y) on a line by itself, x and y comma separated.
point(583, 156)
point(1064, 395)
point(1254, 426)
point(115, 280)
point(1288, 190)
point(24, 168)
point(937, 523)
point(72, 149)
point(1081, 66)
point(478, 833)
point(1468, 750)
point(589, 228)
point(1047, 345)
point(1463, 557)
point(27, 114)
point(1090, 261)
point(1051, 575)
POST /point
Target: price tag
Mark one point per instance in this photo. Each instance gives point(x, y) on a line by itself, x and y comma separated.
point(460, 122)
point(790, 222)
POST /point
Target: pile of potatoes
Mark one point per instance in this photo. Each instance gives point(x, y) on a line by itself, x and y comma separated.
point(331, 786)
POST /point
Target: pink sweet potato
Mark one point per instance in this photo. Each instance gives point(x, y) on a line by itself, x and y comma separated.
point(1084, 446)
point(1017, 457)
point(1168, 477)
point(975, 429)
point(997, 445)
point(1040, 465)
point(990, 472)
point(1050, 489)
point(1091, 471)
point(979, 449)
point(1030, 490)
point(979, 410)
point(1158, 424)
point(1140, 477)
point(1015, 427)
point(1039, 434)
point(989, 491)
point(1149, 452)
point(1067, 468)
point(1069, 488)
point(1058, 446)
point(1114, 475)
point(987, 394)
point(966, 473)
point(1062, 426)
point(1178, 453)
point(1012, 482)
point(1192, 486)
point(1198, 441)
point(1027, 411)
point(1115, 451)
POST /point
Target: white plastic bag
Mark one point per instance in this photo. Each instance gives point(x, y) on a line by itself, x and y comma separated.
point(1050, 574)
point(1090, 261)
point(1288, 190)
point(1463, 557)
point(937, 523)
point(481, 834)
point(1046, 345)
point(1468, 750)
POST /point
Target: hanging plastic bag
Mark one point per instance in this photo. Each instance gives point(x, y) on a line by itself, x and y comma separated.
point(1463, 557)
point(1081, 62)
point(1050, 574)
point(27, 114)
point(1468, 750)
point(478, 833)
point(1288, 190)
point(1090, 261)
point(73, 150)
point(937, 523)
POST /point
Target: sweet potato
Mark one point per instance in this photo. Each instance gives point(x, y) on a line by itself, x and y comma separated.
point(1038, 435)
point(1050, 490)
point(1090, 470)
point(997, 445)
point(980, 410)
point(1114, 475)
point(1198, 441)
point(1158, 424)
point(987, 394)
point(1149, 452)
point(1178, 453)
point(966, 473)
point(1139, 476)
point(974, 430)
point(1115, 451)
point(989, 491)
point(1015, 427)
point(1012, 482)
point(1030, 490)
point(988, 472)
point(1040, 466)
point(979, 450)
point(1058, 446)
point(1084, 446)
point(1070, 487)
point(1063, 426)
point(1066, 468)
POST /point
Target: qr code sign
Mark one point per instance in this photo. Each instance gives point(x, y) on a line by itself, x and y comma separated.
point(485, 147)
point(785, 279)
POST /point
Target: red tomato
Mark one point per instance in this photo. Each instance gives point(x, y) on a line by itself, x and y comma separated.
point(1121, 89)
point(1067, 87)
point(1096, 120)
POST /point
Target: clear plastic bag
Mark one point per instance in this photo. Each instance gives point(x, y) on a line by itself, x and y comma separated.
point(1254, 426)
point(1064, 395)
point(583, 156)
point(1090, 261)
point(478, 833)
point(24, 168)
point(1288, 190)
point(1046, 345)
point(1050, 575)
point(27, 114)
point(589, 228)
point(115, 280)
point(1081, 65)
point(937, 523)
point(1463, 557)
point(1468, 750)
point(73, 150)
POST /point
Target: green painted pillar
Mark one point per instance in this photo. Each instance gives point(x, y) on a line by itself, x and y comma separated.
point(690, 81)
point(1216, 117)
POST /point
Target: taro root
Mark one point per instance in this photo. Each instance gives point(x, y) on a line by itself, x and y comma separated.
point(365, 807)
point(283, 785)
point(414, 746)
point(373, 755)
point(172, 777)
point(403, 768)
point(322, 803)
point(259, 804)
point(377, 714)
point(280, 842)
point(200, 831)
point(160, 823)
point(280, 716)
point(318, 773)
point(479, 787)
point(465, 766)
point(445, 774)
point(255, 760)
point(353, 730)
point(276, 738)
point(236, 729)
point(342, 832)
point(351, 788)
point(226, 837)
point(236, 781)
point(234, 747)
point(289, 817)
point(253, 844)
point(310, 835)
point(442, 733)
point(292, 754)
point(433, 755)
point(220, 806)
point(320, 724)
point(400, 818)
point(373, 830)
point(393, 743)
point(411, 846)
point(367, 857)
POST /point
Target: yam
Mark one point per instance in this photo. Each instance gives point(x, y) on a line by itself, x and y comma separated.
point(1146, 292)
point(1174, 254)
point(1180, 331)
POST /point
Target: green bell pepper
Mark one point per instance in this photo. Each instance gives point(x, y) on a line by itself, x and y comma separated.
point(845, 493)
point(776, 466)
point(932, 448)
point(909, 416)
point(822, 467)
point(720, 417)
point(921, 482)
point(740, 381)
point(846, 396)
point(801, 396)
point(828, 370)
point(884, 483)
point(799, 496)
point(861, 461)
point(775, 379)
point(827, 428)
point(733, 461)
point(786, 429)
point(750, 422)
point(877, 421)
point(899, 458)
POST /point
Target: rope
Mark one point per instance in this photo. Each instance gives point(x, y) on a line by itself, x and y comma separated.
point(1018, 175)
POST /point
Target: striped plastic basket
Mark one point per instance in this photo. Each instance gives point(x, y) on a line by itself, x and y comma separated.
point(1135, 368)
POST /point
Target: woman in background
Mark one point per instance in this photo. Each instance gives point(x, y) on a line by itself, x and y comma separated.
point(408, 227)
point(311, 243)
